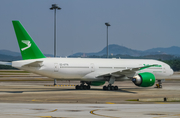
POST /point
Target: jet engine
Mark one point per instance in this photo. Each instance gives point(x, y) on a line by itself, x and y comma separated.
point(145, 79)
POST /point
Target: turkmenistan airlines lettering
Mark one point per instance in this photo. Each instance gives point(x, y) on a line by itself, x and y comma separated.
point(90, 72)
point(153, 65)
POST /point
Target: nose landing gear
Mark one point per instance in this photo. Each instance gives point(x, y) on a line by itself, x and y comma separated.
point(159, 84)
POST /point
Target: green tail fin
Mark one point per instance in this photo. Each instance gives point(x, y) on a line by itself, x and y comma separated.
point(28, 48)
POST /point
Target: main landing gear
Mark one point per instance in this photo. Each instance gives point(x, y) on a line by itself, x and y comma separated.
point(82, 86)
point(159, 84)
point(110, 87)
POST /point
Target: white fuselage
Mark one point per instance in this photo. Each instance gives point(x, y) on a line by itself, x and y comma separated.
point(88, 69)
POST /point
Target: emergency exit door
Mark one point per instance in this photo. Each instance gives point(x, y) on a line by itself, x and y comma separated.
point(92, 67)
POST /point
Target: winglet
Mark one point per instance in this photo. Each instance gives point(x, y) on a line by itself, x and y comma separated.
point(28, 48)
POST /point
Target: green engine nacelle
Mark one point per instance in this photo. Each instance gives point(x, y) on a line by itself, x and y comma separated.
point(144, 79)
point(97, 83)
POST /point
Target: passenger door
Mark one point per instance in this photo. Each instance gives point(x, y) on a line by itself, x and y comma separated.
point(56, 67)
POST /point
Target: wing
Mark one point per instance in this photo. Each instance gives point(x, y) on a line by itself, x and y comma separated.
point(130, 72)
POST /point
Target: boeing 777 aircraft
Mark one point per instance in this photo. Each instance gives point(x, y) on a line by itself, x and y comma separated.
point(91, 72)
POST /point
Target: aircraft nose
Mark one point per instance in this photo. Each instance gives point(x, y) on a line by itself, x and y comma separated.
point(171, 72)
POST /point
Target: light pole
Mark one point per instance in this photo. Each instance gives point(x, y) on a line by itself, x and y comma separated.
point(107, 24)
point(54, 7)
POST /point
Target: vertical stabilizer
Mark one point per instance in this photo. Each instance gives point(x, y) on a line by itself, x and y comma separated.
point(28, 48)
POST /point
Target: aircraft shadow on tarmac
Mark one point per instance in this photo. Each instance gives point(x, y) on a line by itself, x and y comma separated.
point(57, 89)
point(119, 90)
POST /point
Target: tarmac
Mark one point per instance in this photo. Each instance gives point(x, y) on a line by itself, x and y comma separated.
point(28, 97)
point(19, 110)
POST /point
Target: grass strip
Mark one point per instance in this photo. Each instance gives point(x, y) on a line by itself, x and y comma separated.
point(14, 72)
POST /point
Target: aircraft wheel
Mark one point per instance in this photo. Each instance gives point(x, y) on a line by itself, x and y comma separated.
point(104, 88)
point(160, 86)
point(112, 87)
point(84, 87)
point(77, 87)
point(88, 87)
point(81, 87)
point(108, 88)
point(116, 88)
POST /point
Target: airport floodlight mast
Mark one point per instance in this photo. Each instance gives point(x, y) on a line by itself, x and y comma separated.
point(107, 24)
point(54, 7)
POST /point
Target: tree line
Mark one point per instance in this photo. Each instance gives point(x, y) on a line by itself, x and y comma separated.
point(174, 64)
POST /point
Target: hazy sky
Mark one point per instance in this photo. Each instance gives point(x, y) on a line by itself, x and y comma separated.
point(136, 24)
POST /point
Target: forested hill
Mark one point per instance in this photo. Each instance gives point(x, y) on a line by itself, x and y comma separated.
point(121, 50)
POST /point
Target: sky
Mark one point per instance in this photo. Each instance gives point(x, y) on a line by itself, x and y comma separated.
point(136, 24)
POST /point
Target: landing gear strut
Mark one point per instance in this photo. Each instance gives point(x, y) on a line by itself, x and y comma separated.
point(82, 86)
point(159, 84)
point(55, 82)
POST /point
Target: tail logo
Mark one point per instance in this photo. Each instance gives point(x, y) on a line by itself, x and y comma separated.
point(28, 43)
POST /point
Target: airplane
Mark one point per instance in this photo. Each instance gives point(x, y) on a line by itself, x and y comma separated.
point(89, 71)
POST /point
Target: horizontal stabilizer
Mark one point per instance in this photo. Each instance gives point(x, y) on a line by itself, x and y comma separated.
point(6, 63)
point(34, 64)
